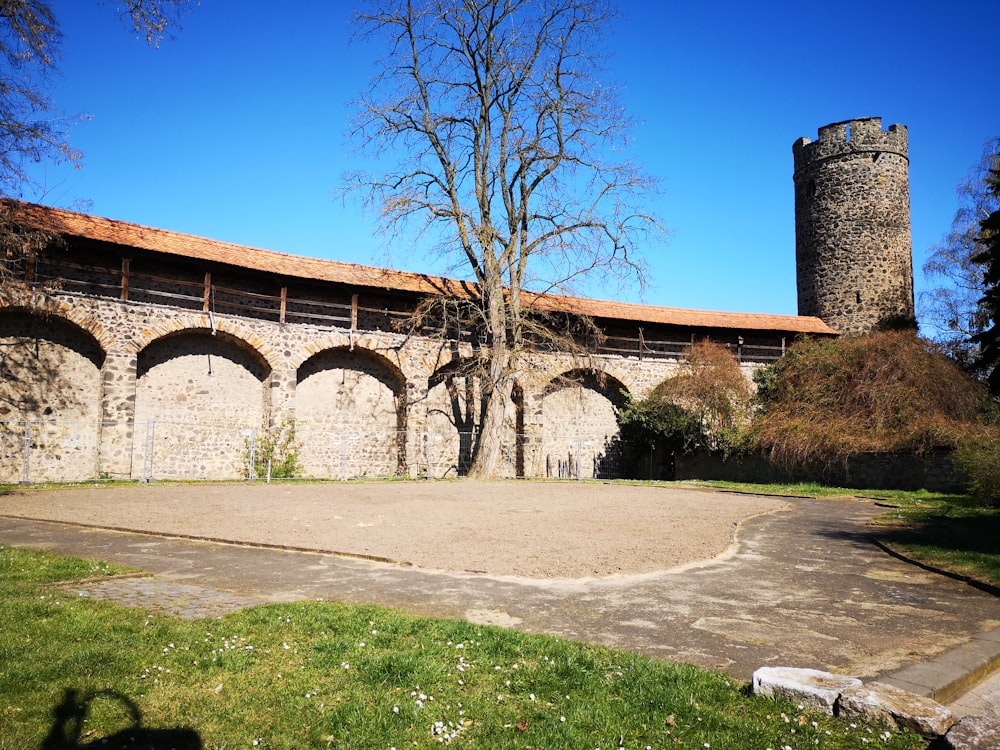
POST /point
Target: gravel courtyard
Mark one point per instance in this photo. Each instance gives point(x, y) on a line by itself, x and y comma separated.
point(530, 529)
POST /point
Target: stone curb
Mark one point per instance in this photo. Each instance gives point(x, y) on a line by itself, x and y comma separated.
point(954, 672)
point(212, 540)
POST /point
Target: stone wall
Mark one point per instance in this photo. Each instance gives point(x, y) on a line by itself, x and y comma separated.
point(349, 408)
point(852, 225)
point(579, 432)
point(204, 392)
point(50, 372)
point(106, 388)
point(875, 471)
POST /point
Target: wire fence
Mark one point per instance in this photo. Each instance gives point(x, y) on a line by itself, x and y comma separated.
point(34, 451)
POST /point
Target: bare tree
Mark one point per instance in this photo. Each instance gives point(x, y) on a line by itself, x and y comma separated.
point(152, 19)
point(953, 309)
point(29, 130)
point(492, 131)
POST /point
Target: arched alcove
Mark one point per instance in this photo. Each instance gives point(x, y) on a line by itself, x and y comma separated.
point(50, 398)
point(454, 403)
point(579, 425)
point(199, 398)
point(350, 414)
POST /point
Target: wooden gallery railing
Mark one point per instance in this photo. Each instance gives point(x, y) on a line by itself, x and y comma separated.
point(204, 294)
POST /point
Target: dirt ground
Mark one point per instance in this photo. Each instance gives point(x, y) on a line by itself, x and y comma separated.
point(530, 529)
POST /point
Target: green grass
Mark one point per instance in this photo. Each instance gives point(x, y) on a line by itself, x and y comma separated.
point(74, 671)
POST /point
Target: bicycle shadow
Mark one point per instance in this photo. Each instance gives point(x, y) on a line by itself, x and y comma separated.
point(69, 715)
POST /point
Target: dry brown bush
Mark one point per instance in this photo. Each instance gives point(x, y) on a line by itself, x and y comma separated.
point(883, 392)
point(714, 391)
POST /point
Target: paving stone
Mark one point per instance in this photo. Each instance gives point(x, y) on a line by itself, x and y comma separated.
point(183, 600)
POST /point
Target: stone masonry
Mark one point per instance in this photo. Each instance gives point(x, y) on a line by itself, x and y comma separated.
point(141, 390)
point(139, 353)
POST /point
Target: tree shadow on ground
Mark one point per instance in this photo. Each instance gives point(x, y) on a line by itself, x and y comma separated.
point(69, 715)
point(942, 542)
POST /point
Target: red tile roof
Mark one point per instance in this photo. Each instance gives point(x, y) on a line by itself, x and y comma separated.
point(126, 234)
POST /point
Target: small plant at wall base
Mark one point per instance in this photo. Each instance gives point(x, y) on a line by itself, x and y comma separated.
point(274, 452)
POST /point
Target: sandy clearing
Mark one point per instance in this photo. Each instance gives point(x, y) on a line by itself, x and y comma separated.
point(533, 529)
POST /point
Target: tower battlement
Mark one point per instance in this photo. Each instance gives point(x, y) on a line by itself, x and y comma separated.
point(849, 138)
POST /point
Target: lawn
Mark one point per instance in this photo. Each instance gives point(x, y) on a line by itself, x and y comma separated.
point(75, 672)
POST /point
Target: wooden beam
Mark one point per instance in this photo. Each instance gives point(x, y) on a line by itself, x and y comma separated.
point(284, 303)
point(208, 291)
point(125, 275)
point(354, 312)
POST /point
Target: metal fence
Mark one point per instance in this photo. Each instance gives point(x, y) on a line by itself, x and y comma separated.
point(63, 451)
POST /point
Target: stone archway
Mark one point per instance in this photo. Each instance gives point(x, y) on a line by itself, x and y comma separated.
point(579, 425)
point(200, 397)
point(350, 408)
point(454, 402)
point(50, 398)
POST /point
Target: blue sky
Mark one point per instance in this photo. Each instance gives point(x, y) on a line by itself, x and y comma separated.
point(236, 128)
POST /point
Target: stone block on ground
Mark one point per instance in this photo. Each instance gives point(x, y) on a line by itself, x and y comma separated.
point(810, 688)
point(973, 733)
point(897, 708)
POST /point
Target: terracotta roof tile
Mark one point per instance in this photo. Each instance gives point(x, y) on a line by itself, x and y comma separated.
point(314, 269)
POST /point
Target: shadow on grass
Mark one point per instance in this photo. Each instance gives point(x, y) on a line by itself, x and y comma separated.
point(68, 719)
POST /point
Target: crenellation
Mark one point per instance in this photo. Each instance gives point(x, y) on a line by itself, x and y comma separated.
point(849, 139)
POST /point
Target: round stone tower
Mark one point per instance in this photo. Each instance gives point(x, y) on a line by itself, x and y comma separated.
point(853, 249)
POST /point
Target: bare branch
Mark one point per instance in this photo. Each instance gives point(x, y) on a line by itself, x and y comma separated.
point(493, 131)
point(952, 309)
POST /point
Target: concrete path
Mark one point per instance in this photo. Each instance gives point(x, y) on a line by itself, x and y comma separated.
point(804, 588)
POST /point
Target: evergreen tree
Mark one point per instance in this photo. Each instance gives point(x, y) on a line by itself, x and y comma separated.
point(989, 258)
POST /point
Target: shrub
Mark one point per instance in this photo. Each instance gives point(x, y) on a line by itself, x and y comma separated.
point(274, 449)
point(705, 406)
point(655, 423)
point(977, 457)
point(882, 392)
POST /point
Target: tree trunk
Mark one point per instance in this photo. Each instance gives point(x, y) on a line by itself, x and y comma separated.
point(487, 458)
